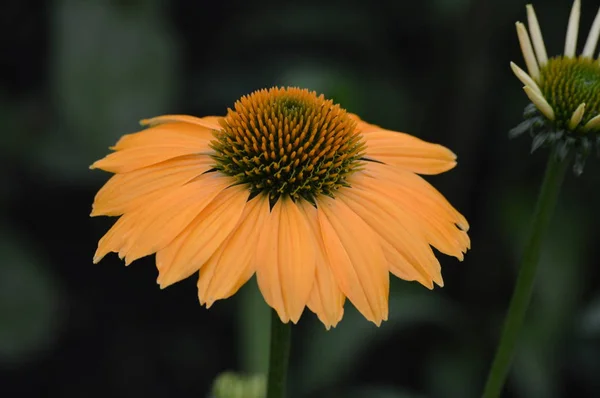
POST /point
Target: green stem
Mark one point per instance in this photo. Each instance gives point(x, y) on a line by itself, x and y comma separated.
point(279, 356)
point(546, 202)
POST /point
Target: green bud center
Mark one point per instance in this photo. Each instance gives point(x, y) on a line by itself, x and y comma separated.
point(568, 82)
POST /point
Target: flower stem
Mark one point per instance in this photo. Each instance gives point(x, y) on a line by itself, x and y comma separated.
point(544, 208)
point(278, 359)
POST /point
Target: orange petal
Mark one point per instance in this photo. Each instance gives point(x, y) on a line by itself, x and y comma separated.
point(129, 191)
point(408, 152)
point(436, 218)
point(285, 260)
point(116, 236)
point(233, 263)
point(188, 252)
point(418, 188)
point(404, 150)
point(167, 216)
point(356, 258)
point(155, 145)
point(134, 159)
point(172, 134)
point(412, 255)
point(209, 122)
point(326, 299)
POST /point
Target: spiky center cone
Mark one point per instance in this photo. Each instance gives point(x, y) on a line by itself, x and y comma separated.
point(566, 83)
point(288, 141)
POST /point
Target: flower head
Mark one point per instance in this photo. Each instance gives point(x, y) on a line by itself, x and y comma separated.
point(319, 204)
point(564, 90)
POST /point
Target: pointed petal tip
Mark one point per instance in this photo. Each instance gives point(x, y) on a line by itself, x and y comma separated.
point(99, 255)
point(162, 284)
point(593, 123)
point(208, 303)
point(525, 78)
point(577, 116)
point(540, 102)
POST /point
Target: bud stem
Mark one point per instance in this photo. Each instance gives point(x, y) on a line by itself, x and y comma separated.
point(279, 356)
point(546, 202)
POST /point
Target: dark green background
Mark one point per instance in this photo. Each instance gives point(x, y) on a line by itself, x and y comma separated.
point(76, 75)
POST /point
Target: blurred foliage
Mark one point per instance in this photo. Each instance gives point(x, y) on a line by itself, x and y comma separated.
point(232, 385)
point(77, 75)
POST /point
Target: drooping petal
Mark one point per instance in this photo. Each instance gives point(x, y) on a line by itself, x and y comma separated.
point(417, 187)
point(326, 299)
point(408, 152)
point(356, 258)
point(190, 250)
point(234, 262)
point(399, 230)
point(404, 150)
point(438, 224)
point(540, 102)
point(525, 78)
point(129, 191)
point(168, 215)
point(285, 260)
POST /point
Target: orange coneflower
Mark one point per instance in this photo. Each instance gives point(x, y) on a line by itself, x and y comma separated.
point(319, 204)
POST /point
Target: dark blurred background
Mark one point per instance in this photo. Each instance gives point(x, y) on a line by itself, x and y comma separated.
point(76, 75)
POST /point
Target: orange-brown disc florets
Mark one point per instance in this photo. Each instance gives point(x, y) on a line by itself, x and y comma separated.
point(288, 141)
